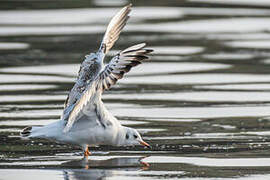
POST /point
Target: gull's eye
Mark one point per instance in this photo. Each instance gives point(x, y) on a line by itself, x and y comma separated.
point(127, 136)
point(135, 136)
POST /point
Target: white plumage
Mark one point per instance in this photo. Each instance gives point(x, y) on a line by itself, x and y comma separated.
point(85, 120)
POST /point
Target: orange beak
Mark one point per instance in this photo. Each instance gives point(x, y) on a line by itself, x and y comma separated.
point(144, 144)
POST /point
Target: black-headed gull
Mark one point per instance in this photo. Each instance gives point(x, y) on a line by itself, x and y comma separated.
point(85, 120)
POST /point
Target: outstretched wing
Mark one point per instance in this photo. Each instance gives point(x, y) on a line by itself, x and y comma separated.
point(83, 88)
point(121, 64)
point(118, 66)
point(88, 70)
point(114, 28)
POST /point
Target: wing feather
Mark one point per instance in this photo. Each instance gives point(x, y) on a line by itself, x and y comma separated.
point(115, 70)
point(114, 28)
point(122, 63)
point(78, 108)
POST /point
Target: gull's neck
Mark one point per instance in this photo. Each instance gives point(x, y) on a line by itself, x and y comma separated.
point(121, 135)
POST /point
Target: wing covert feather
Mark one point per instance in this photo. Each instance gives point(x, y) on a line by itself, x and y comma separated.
point(121, 64)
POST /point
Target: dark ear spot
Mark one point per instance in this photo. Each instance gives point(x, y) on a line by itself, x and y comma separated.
point(135, 136)
point(127, 136)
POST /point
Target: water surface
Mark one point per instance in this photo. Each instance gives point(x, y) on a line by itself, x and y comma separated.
point(202, 101)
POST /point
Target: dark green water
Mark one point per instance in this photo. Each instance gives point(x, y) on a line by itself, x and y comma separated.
point(202, 102)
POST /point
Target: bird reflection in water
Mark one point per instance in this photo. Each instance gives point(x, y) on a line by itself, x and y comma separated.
point(97, 169)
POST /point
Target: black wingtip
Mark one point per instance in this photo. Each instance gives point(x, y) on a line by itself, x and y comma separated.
point(26, 131)
point(149, 50)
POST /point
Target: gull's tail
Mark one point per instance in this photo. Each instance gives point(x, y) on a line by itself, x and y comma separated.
point(49, 131)
point(30, 132)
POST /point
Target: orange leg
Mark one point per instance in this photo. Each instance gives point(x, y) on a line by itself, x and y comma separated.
point(145, 165)
point(86, 152)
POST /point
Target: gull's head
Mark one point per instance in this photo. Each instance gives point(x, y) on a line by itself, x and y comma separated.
point(132, 137)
